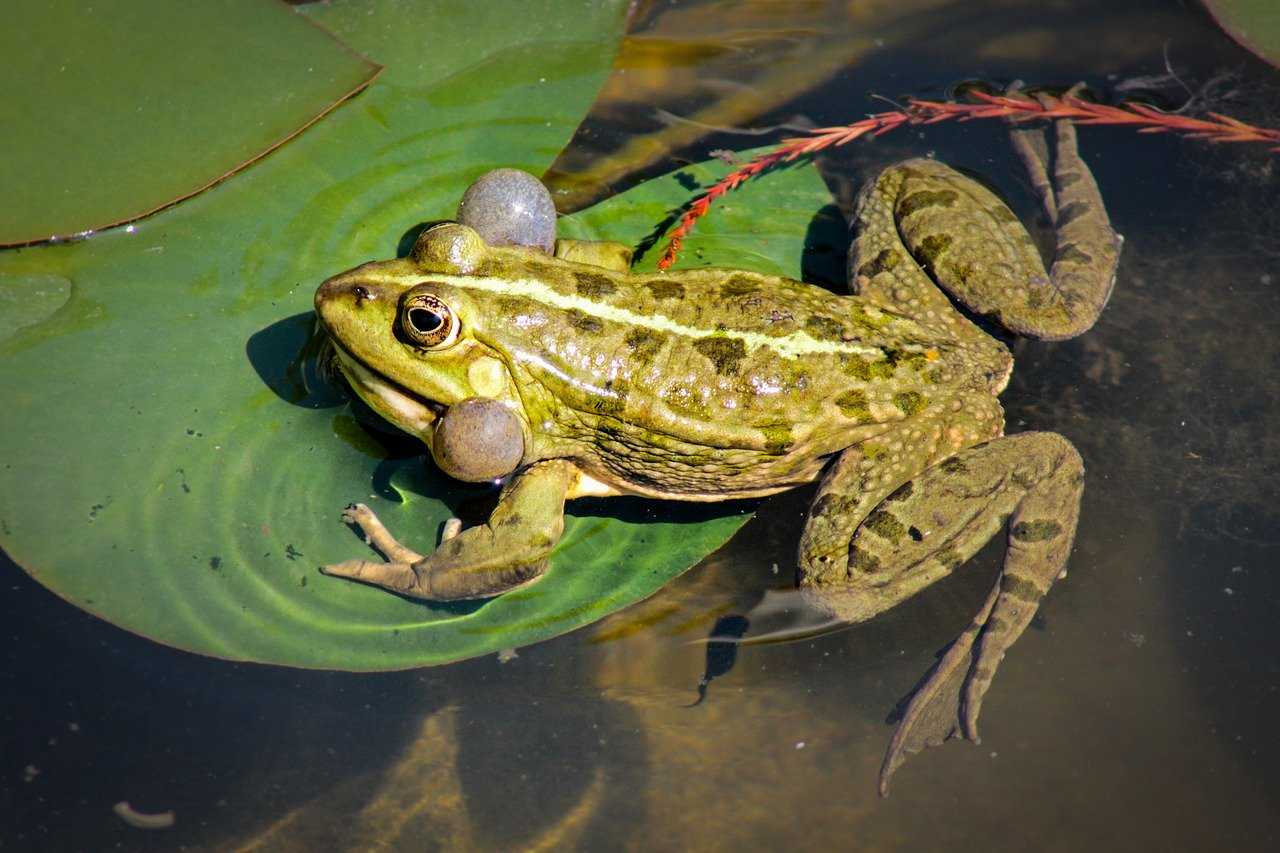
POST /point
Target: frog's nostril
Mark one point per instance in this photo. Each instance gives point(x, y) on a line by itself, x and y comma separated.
point(361, 293)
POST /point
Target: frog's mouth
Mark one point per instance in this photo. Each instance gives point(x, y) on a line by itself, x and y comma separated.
point(395, 403)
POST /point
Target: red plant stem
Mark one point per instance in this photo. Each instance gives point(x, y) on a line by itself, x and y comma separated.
point(1217, 128)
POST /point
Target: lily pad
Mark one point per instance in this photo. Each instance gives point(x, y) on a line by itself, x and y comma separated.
point(1255, 24)
point(114, 110)
point(174, 466)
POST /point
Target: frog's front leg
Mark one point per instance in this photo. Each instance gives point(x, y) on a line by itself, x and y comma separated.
point(857, 566)
point(508, 551)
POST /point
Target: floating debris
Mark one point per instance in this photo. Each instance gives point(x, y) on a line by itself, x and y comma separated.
point(141, 820)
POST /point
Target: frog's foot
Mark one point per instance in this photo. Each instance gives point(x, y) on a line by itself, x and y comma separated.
point(508, 551)
point(928, 528)
point(396, 574)
point(1088, 249)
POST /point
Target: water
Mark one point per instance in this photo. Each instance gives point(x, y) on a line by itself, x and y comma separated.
point(1136, 714)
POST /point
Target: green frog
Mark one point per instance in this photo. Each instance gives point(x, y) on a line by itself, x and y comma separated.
point(563, 374)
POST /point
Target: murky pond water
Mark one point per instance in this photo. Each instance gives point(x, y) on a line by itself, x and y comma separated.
point(1136, 714)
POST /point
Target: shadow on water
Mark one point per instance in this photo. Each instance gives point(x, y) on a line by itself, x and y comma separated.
point(288, 357)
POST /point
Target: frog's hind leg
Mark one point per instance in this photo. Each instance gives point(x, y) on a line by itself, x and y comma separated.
point(975, 248)
point(927, 528)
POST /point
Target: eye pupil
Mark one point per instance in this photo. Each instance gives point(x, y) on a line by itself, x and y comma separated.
point(424, 320)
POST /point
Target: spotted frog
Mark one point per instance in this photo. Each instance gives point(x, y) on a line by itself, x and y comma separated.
point(567, 375)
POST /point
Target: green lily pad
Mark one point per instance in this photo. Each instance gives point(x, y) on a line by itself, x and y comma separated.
point(174, 464)
point(115, 110)
point(1255, 24)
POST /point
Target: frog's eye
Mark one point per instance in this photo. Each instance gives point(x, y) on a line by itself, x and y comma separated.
point(428, 322)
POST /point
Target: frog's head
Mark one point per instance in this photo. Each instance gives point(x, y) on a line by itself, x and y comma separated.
point(404, 335)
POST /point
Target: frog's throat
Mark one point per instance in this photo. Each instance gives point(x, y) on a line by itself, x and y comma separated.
point(393, 402)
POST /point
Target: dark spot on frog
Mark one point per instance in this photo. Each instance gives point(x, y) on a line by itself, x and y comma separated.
point(853, 404)
point(1022, 480)
point(1035, 531)
point(885, 525)
point(880, 369)
point(1066, 179)
point(931, 247)
point(914, 533)
point(665, 288)
point(291, 552)
point(739, 285)
point(302, 581)
point(872, 451)
point(643, 343)
point(452, 547)
point(910, 402)
point(922, 199)
point(1073, 254)
point(863, 561)
point(953, 465)
point(777, 438)
point(858, 368)
point(1019, 588)
point(215, 563)
point(511, 520)
point(1070, 213)
point(723, 352)
point(824, 328)
point(830, 504)
point(883, 262)
point(593, 285)
point(583, 322)
point(901, 494)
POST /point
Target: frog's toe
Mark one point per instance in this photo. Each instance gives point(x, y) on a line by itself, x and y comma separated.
point(357, 514)
point(398, 577)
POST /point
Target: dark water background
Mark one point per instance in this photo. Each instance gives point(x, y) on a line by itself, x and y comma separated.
point(1137, 714)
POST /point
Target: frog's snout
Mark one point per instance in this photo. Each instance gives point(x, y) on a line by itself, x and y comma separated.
point(339, 298)
point(342, 289)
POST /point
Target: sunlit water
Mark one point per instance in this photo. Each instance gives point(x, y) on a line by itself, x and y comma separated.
point(1136, 714)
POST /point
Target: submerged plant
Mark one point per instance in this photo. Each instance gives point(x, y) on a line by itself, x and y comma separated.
point(1013, 106)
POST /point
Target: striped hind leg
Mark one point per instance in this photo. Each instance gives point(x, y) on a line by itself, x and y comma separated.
point(929, 527)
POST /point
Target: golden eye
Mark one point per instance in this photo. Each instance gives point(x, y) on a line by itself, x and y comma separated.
point(427, 321)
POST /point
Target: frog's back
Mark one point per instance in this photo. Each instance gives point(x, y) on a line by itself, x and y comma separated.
point(672, 382)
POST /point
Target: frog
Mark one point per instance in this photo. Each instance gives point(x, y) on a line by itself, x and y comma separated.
point(563, 374)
